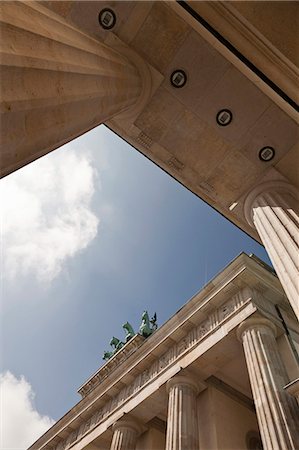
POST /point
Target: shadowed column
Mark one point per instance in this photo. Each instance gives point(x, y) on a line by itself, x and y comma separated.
point(125, 434)
point(57, 83)
point(273, 209)
point(277, 411)
point(182, 424)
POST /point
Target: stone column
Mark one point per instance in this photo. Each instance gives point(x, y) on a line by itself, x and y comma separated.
point(182, 424)
point(277, 412)
point(125, 434)
point(56, 82)
point(273, 209)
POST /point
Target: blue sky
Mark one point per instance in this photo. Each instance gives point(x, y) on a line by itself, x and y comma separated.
point(93, 234)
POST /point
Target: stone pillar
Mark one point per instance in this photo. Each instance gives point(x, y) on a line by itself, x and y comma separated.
point(125, 434)
point(277, 412)
point(182, 424)
point(273, 209)
point(56, 82)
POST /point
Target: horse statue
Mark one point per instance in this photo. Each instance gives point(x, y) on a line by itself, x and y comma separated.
point(107, 355)
point(117, 344)
point(145, 328)
point(129, 331)
point(153, 321)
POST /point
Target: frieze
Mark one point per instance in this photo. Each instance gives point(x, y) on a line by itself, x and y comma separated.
point(111, 364)
point(192, 338)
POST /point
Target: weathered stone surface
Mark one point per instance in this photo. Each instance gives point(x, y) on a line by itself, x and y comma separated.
point(277, 411)
point(182, 422)
point(125, 434)
point(57, 83)
point(272, 208)
point(205, 325)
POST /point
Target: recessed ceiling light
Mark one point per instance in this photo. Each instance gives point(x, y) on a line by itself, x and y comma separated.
point(178, 78)
point(224, 117)
point(266, 154)
point(107, 18)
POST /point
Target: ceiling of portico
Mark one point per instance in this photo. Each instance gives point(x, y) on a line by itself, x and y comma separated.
point(177, 128)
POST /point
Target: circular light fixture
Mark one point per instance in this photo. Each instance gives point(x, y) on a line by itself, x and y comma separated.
point(266, 154)
point(224, 117)
point(178, 78)
point(107, 18)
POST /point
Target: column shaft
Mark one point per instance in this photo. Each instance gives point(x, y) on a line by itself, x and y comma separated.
point(274, 213)
point(182, 425)
point(57, 82)
point(277, 412)
point(125, 434)
point(124, 439)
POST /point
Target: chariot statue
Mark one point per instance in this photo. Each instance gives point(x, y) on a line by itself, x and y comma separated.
point(116, 344)
point(107, 355)
point(147, 327)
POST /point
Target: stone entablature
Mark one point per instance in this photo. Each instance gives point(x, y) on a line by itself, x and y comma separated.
point(225, 302)
point(111, 364)
point(177, 351)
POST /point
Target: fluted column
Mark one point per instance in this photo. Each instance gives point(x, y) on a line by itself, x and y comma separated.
point(273, 209)
point(56, 82)
point(125, 434)
point(182, 424)
point(277, 412)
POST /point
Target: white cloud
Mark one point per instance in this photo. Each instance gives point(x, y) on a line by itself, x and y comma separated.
point(21, 424)
point(46, 214)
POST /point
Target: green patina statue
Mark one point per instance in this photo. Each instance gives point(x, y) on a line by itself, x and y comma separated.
point(147, 328)
point(107, 355)
point(129, 331)
point(116, 344)
point(153, 321)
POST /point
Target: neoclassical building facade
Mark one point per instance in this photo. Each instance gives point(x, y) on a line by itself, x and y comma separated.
point(209, 92)
point(206, 90)
point(217, 375)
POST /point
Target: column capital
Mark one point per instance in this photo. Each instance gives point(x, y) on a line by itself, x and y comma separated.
point(255, 322)
point(273, 186)
point(127, 423)
point(143, 69)
point(183, 380)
